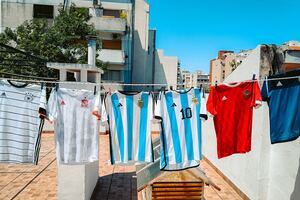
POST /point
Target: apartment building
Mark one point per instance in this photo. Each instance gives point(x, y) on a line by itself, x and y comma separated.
point(194, 79)
point(225, 63)
point(123, 26)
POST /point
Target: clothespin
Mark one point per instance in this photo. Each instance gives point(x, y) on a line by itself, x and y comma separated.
point(253, 77)
point(56, 86)
point(200, 86)
point(42, 85)
point(95, 90)
point(163, 89)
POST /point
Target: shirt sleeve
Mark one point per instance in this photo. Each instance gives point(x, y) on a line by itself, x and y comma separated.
point(256, 98)
point(43, 104)
point(158, 108)
point(210, 105)
point(52, 109)
point(104, 116)
point(203, 111)
point(264, 91)
point(97, 106)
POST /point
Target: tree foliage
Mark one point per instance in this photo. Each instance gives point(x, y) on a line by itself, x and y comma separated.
point(62, 40)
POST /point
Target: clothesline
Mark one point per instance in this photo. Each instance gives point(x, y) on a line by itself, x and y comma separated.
point(137, 84)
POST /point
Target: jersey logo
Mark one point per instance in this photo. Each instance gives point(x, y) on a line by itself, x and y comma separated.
point(224, 98)
point(120, 105)
point(195, 100)
point(173, 105)
point(3, 94)
point(62, 103)
point(84, 103)
point(140, 103)
point(279, 84)
point(246, 94)
point(28, 97)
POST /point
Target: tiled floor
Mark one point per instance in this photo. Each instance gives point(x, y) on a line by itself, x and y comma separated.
point(116, 182)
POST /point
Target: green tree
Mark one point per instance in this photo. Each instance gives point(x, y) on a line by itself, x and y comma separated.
point(64, 40)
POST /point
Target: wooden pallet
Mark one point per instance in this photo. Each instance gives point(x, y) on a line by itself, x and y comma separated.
point(178, 191)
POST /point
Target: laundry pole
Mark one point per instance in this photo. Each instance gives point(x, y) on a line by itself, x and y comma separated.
point(77, 182)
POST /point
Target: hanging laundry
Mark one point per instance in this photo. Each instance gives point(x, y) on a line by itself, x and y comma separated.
point(232, 108)
point(181, 139)
point(20, 123)
point(75, 114)
point(283, 97)
point(129, 117)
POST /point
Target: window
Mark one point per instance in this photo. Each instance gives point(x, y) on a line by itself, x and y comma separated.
point(111, 13)
point(43, 11)
point(112, 44)
point(113, 75)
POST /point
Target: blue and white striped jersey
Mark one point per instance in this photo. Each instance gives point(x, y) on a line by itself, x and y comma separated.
point(129, 118)
point(180, 113)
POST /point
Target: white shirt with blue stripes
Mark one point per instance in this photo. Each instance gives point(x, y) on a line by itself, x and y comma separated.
point(129, 117)
point(181, 138)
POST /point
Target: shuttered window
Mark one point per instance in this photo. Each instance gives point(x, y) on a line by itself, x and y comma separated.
point(112, 44)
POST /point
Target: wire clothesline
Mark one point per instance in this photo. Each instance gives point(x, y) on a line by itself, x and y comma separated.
point(138, 84)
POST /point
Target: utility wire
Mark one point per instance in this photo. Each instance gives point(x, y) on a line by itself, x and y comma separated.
point(138, 84)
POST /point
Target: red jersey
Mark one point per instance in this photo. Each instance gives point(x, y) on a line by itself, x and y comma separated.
point(232, 108)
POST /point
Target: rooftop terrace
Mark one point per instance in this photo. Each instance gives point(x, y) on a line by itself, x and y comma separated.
point(115, 182)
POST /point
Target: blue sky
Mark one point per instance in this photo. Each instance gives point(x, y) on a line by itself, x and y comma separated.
point(194, 30)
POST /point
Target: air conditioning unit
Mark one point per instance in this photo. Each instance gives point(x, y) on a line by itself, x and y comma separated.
point(97, 3)
point(291, 58)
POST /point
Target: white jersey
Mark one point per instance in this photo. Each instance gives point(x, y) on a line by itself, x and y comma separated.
point(20, 124)
point(130, 118)
point(180, 112)
point(76, 127)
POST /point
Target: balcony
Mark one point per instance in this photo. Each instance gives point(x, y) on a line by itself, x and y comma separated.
point(103, 24)
point(115, 57)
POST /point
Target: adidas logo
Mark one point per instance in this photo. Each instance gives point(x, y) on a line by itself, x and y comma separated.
point(62, 103)
point(3, 94)
point(173, 105)
point(224, 98)
point(279, 84)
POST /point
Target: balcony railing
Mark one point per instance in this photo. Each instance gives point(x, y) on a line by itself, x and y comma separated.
point(115, 25)
point(111, 56)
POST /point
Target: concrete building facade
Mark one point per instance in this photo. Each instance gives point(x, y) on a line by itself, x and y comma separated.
point(128, 46)
point(225, 63)
point(194, 79)
point(166, 69)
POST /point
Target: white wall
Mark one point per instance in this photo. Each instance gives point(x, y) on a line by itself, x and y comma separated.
point(165, 68)
point(140, 39)
point(268, 172)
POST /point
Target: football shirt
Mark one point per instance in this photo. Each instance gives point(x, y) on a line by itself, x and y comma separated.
point(181, 139)
point(283, 97)
point(20, 124)
point(232, 108)
point(129, 117)
point(75, 114)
